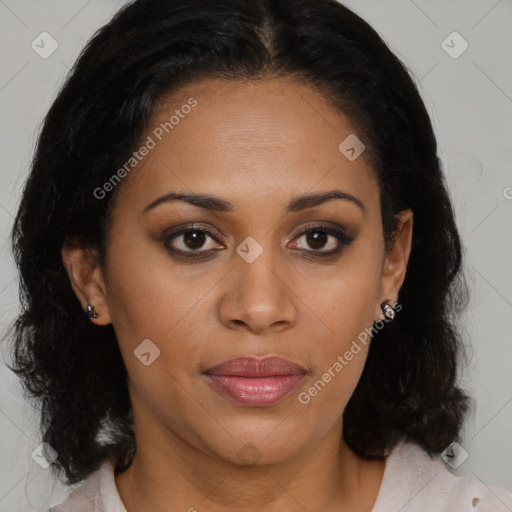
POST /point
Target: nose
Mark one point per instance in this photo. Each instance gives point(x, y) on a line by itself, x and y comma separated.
point(259, 294)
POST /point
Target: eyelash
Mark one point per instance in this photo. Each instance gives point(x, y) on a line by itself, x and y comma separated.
point(343, 239)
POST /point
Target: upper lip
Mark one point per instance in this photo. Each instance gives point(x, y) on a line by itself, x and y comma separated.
point(257, 367)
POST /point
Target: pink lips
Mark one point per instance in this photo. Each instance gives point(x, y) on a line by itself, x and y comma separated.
point(254, 381)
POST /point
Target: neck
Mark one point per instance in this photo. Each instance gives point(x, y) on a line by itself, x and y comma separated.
point(326, 476)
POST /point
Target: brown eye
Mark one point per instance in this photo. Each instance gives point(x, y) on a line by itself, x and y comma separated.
point(323, 240)
point(191, 242)
point(317, 239)
point(194, 239)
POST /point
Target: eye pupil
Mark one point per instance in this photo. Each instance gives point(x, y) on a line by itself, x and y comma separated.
point(194, 239)
point(317, 239)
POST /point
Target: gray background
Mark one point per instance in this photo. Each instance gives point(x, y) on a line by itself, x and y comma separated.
point(470, 102)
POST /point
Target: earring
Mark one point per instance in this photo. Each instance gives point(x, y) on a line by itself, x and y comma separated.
point(90, 313)
point(388, 310)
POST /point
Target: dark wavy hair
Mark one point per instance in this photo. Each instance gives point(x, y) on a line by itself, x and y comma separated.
point(408, 389)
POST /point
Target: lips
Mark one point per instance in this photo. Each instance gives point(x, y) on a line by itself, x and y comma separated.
point(256, 381)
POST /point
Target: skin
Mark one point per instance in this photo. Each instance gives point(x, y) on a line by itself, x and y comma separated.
point(257, 145)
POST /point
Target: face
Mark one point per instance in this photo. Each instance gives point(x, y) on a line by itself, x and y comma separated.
point(268, 268)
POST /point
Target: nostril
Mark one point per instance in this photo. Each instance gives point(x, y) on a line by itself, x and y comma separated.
point(475, 502)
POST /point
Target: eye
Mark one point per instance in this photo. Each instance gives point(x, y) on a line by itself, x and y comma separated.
point(323, 240)
point(195, 241)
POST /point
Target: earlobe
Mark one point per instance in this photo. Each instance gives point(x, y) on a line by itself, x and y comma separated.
point(86, 280)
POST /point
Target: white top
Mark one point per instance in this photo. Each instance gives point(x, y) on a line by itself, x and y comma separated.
point(412, 482)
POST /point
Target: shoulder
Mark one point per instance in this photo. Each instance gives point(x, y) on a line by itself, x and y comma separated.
point(415, 482)
point(97, 492)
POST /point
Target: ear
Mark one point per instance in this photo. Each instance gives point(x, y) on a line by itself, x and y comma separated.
point(395, 262)
point(87, 280)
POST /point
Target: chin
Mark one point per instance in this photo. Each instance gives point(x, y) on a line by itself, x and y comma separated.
point(255, 445)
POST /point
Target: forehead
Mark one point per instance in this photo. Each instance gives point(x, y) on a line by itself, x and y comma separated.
point(248, 140)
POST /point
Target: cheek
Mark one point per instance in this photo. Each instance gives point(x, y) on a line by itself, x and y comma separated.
point(332, 388)
point(345, 303)
point(340, 354)
point(345, 298)
point(151, 298)
point(147, 294)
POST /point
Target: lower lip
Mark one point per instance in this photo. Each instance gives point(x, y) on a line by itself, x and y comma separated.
point(256, 391)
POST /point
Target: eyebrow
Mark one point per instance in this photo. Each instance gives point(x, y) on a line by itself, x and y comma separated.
point(216, 204)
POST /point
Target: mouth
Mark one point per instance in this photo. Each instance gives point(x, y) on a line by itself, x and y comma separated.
point(256, 382)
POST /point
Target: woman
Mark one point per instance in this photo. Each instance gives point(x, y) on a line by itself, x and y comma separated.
point(245, 200)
